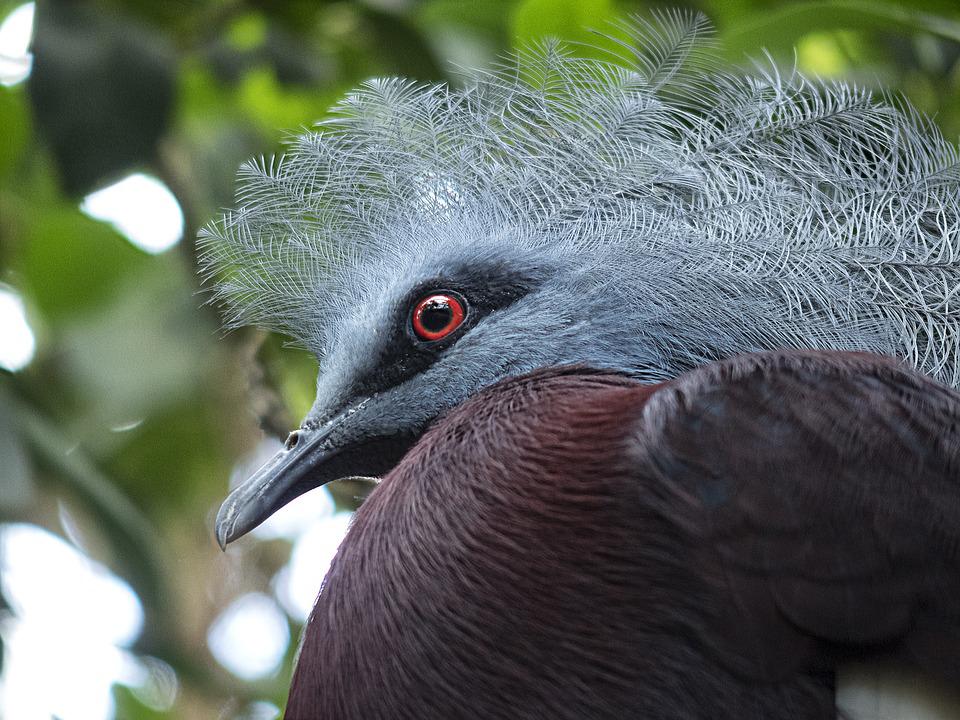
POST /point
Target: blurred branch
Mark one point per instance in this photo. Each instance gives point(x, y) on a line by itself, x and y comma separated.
point(125, 523)
point(173, 171)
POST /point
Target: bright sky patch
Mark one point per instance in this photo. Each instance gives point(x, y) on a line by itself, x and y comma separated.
point(16, 30)
point(142, 209)
point(17, 343)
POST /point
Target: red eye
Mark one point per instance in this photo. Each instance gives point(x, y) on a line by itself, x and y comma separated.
point(437, 315)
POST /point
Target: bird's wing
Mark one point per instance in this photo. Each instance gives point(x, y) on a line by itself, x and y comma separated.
point(825, 492)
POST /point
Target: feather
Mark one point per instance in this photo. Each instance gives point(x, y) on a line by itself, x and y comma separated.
point(737, 210)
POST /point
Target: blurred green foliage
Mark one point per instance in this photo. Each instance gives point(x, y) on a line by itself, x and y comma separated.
point(135, 409)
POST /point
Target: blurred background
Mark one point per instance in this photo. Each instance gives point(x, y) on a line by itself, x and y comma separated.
point(124, 412)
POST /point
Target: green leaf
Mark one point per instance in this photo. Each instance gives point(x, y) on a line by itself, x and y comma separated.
point(574, 20)
point(15, 122)
point(71, 264)
point(129, 707)
point(180, 450)
point(145, 352)
point(480, 17)
point(779, 28)
point(247, 32)
point(295, 374)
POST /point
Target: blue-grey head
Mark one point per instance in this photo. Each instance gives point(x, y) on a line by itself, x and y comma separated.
point(643, 214)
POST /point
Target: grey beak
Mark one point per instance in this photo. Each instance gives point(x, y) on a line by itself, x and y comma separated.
point(312, 456)
point(265, 491)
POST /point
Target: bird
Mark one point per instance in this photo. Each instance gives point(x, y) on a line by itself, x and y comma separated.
point(657, 361)
point(575, 544)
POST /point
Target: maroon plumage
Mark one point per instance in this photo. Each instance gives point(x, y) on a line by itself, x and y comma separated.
point(572, 544)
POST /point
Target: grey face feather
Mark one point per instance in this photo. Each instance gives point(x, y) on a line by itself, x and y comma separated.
point(673, 212)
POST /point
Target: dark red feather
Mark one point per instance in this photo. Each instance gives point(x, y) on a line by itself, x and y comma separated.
point(572, 545)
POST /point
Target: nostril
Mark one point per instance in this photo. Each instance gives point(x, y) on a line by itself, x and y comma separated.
point(292, 440)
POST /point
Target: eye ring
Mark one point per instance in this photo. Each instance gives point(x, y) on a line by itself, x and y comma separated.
point(437, 315)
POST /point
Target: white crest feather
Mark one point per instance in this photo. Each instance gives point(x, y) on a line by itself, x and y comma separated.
point(763, 209)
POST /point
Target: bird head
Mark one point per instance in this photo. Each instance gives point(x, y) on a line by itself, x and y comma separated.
point(642, 214)
point(410, 342)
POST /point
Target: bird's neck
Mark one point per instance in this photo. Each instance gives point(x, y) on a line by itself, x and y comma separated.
point(500, 568)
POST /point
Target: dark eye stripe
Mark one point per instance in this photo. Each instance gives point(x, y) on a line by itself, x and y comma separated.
point(403, 353)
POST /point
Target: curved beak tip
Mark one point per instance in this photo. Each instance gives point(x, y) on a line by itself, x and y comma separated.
point(297, 468)
point(267, 490)
point(223, 527)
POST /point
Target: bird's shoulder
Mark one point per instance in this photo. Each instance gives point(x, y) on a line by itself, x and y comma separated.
point(815, 494)
point(822, 491)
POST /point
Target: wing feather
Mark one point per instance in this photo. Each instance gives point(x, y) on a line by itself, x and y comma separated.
point(828, 489)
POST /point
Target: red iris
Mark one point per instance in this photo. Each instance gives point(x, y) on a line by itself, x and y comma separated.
point(437, 315)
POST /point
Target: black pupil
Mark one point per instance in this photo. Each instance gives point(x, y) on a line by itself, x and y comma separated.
point(436, 315)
